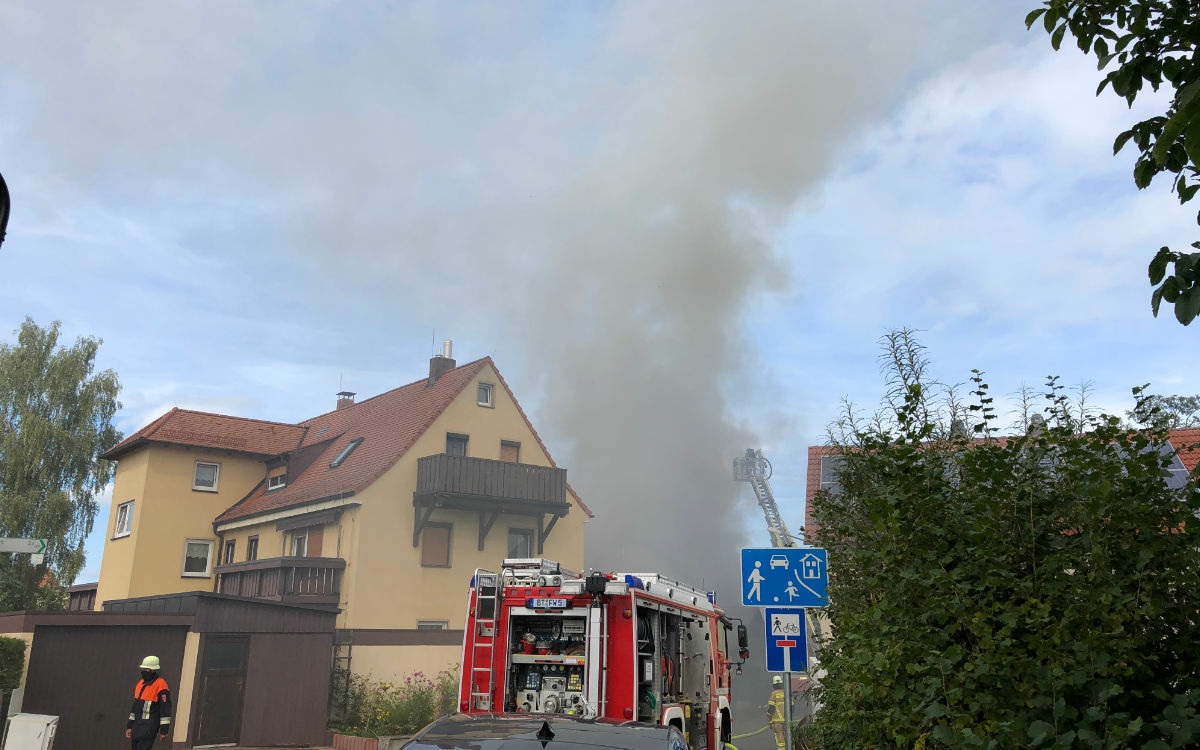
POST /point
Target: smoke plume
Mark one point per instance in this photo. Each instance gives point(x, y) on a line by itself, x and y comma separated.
point(595, 192)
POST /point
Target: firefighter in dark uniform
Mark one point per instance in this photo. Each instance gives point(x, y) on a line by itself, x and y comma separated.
point(151, 711)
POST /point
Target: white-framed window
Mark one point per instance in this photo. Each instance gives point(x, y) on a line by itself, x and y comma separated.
point(252, 548)
point(299, 546)
point(432, 624)
point(276, 481)
point(484, 394)
point(197, 558)
point(207, 474)
point(124, 524)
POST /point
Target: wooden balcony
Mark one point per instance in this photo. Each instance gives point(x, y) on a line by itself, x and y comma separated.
point(294, 580)
point(489, 488)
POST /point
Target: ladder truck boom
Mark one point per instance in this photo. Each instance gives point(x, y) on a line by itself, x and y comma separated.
point(754, 468)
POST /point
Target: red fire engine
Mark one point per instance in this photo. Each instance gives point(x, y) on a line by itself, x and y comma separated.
point(540, 639)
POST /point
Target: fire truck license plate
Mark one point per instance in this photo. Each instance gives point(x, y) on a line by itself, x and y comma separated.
point(547, 603)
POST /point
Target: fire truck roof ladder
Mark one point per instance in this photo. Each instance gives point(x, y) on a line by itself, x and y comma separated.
point(487, 595)
point(669, 588)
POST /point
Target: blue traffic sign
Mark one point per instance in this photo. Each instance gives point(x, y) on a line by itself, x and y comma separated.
point(787, 645)
point(784, 576)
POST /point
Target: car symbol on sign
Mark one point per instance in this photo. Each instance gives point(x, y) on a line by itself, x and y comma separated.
point(779, 561)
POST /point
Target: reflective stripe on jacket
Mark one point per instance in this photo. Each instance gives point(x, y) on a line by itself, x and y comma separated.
point(776, 705)
point(151, 707)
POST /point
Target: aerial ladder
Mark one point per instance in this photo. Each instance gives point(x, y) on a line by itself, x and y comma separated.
point(753, 467)
point(756, 469)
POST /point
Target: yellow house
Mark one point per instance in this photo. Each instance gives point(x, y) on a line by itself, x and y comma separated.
point(382, 508)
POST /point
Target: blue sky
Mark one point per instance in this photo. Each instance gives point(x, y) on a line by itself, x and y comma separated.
point(687, 222)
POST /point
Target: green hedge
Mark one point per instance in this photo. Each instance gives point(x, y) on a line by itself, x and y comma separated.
point(12, 660)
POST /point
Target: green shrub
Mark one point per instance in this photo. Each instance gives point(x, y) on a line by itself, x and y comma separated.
point(378, 709)
point(1039, 591)
point(12, 660)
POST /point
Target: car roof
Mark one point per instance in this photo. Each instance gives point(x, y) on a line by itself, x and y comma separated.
point(529, 732)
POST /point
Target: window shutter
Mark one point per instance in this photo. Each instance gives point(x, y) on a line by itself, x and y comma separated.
point(510, 451)
point(435, 546)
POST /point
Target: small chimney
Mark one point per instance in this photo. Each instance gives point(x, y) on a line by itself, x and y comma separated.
point(441, 364)
point(1037, 425)
point(345, 400)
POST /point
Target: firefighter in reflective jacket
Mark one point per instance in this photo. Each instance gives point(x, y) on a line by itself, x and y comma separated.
point(151, 711)
point(775, 712)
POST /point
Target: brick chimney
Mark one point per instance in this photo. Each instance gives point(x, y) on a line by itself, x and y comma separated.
point(441, 364)
point(345, 400)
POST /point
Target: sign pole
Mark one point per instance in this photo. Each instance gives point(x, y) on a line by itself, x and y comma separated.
point(787, 709)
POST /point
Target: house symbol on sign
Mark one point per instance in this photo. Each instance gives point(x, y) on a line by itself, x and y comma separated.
point(810, 565)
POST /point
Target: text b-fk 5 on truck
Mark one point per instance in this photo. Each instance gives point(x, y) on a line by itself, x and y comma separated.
point(643, 647)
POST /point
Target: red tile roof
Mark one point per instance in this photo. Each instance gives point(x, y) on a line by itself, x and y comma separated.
point(388, 424)
point(206, 430)
point(1182, 441)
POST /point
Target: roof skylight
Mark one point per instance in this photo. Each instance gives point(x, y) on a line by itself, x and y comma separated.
point(345, 452)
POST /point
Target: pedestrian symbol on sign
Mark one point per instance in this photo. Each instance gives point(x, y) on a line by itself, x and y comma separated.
point(756, 578)
point(785, 624)
point(792, 591)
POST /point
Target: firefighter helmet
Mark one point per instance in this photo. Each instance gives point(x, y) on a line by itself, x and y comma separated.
point(150, 663)
point(776, 680)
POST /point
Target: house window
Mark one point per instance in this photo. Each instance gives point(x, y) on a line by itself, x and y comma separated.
point(520, 542)
point(510, 451)
point(275, 481)
point(484, 397)
point(252, 548)
point(830, 466)
point(124, 524)
point(345, 453)
point(197, 558)
point(299, 543)
point(229, 545)
point(435, 545)
point(432, 624)
point(205, 479)
point(456, 445)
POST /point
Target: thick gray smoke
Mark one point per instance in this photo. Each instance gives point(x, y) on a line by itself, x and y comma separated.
point(594, 191)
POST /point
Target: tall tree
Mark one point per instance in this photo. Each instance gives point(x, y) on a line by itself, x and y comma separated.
point(1166, 412)
point(1148, 43)
point(1035, 591)
point(55, 419)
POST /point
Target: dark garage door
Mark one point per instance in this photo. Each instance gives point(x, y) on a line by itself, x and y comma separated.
point(85, 676)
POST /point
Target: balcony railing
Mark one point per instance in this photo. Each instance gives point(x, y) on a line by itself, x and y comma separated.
point(295, 580)
point(465, 477)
